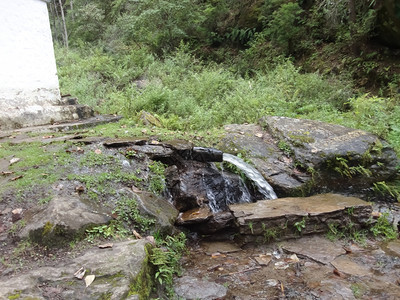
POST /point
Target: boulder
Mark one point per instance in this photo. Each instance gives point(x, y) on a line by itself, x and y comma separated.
point(196, 184)
point(156, 208)
point(120, 272)
point(61, 220)
point(188, 287)
point(303, 157)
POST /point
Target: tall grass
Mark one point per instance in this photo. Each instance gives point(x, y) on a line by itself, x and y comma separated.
point(188, 94)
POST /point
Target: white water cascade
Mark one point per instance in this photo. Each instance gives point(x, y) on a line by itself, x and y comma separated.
point(252, 173)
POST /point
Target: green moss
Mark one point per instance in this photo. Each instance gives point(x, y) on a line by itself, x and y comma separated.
point(300, 139)
point(143, 283)
point(16, 295)
point(47, 228)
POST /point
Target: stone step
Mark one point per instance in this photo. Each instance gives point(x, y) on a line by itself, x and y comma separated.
point(293, 217)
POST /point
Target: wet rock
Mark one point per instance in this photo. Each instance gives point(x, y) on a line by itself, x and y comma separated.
point(220, 247)
point(204, 221)
point(117, 270)
point(202, 183)
point(117, 143)
point(59, 222)
point(292, 217)
point(316, 248)
point(345, 265)
point(394, 247)
point(202, 154)
point(262, 150)
point(194, 216)
point(339, 155)
point(189, 288)
point(301, 157)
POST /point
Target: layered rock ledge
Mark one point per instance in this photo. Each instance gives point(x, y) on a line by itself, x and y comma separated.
point(293, 217)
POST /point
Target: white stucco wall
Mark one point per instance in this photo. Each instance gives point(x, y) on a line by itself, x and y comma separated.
point(27, 64)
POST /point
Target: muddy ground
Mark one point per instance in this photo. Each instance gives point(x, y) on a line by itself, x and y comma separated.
point(307, 268)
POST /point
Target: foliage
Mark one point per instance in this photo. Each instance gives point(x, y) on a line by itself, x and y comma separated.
point(285, 27)
point(300, 225)
point(128, 212)
point(383, 228)
point(157, 177)
point(166, 258)
point(128, 217)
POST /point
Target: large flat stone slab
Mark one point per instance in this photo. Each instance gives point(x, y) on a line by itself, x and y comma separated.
point(292, 217)
point(314, 247)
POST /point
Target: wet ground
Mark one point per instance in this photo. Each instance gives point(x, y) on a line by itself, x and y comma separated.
point(306, 268)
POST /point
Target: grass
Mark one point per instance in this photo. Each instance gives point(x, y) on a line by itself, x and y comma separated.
point(188, 95)
point(39, 166)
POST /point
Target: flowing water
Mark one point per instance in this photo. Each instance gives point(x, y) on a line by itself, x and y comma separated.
point(251, 173)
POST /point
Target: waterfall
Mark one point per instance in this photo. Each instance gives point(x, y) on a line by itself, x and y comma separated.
point(252, 173)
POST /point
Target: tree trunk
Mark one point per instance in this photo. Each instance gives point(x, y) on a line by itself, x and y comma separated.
point(352, 26)
point(64, 24)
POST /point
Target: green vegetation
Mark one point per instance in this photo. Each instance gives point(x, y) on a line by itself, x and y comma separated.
point(348, 232)
point(383, 228)
point(157, 177)
point(300, 225)
point(39, 166)
point(128, 218)
point(166, 259)
point(271, 234)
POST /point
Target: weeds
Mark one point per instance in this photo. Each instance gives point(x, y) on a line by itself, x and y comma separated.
point(383, 228)
point(128, 217)
point(300, 225)
point(166, 257)
point(157, 177)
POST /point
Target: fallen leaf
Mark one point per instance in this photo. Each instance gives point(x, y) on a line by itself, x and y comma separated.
point(16, 178)
point(282, 289)
point(104, 246)
point(89, 279)
point(80, 273)
point(14, 160)
point(97, 151)
point(136, 234)
point(260, 135)
point(47, 136)
point(337, 273)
